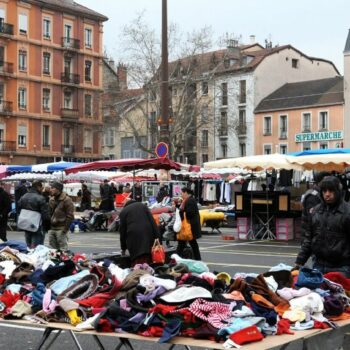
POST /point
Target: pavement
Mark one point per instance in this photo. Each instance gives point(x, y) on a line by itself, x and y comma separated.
point(231, 256)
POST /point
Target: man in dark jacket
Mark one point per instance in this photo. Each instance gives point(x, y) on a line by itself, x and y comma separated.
point(138, 231)
point(35, 201)
point(189, 207)
point(107, 203)
point(20, 190)
point(5, 208)
point(327, 231)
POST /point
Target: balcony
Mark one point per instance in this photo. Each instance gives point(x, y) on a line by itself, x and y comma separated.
point(70, 43)
point(70, 78)
point(6, 29)
point(241, 129)
point(7, 146)
point(67, 149)
point(70, 113)
point(6, 68)
point(6, 107)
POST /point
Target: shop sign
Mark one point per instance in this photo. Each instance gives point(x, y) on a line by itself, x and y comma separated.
point(319, 136)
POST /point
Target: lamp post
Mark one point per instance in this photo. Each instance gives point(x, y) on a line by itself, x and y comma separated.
point(164, 108)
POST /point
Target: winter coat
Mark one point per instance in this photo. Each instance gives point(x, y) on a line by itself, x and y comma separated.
point(33, 200)
point(138, 229)
point(62, 212)
point(5, 208)
point(326, 235)
point(192, 215)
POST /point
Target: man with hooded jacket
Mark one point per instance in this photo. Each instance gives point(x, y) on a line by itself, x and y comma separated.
point(326, 231)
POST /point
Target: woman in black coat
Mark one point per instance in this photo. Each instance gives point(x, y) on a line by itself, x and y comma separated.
point(5, 208)
point(190, 208)
point(138, 231)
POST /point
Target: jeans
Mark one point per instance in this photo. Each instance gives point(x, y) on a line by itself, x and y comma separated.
point(58, 239)
point(345, 270)
point(34, 238)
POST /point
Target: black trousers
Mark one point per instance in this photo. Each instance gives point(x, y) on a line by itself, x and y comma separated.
point(195, 248)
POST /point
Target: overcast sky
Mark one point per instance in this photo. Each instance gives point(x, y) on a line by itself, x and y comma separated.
point(316, 27)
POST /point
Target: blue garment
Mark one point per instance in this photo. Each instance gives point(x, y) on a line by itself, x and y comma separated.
point(38, 295)
point(63, 283)
point(18, 245)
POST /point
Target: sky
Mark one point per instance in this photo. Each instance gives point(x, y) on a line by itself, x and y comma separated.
point(318, 28)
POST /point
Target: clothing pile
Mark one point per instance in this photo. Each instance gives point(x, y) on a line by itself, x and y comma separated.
point(181, 298)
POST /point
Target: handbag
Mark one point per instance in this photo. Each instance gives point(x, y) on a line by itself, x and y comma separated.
point(158, 252)
point(177, 223)
point(29, 220)
point(185, 233)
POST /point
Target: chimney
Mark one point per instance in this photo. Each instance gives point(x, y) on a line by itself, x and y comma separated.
point(232, 46)
point(252, 39)
point(122, 76)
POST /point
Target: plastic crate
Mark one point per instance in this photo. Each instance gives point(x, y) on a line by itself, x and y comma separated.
point(242, 227)
point(284, 229)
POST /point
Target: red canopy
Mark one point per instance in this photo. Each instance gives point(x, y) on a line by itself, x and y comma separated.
point(126, 165)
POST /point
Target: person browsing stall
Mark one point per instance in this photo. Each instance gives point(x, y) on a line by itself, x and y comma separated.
point(326, 232)
point(62, 215)
point(190, 208)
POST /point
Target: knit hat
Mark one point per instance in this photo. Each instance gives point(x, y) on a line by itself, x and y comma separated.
point(81, 289)
point(333, 306)
point(57, 185)
point(246, 335)
point(185, 293)
point(309, 278)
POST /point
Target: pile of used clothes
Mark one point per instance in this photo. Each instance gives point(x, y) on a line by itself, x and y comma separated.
point(182, 298)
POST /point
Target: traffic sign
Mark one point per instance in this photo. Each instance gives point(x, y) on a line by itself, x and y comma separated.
point(162, 150)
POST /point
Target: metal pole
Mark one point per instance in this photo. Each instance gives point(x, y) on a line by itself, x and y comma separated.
point(164, 110)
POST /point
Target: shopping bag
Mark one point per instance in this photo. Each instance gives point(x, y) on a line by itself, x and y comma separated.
point(158, 252)
point(177, 223)
point(185, 233)
point(29, 220)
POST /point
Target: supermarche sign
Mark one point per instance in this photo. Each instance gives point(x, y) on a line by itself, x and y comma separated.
point(319, 136)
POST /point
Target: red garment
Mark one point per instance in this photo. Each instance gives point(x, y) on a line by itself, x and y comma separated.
point(283, 327)
point(162, 309)
point(320, 325)
point(9, 298)
point(246, 335)
point(105, 326)
point(339, 278)
point(2, 279)
point(153, 331)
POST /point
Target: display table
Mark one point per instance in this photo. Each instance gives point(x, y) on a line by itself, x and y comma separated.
point(329, 338)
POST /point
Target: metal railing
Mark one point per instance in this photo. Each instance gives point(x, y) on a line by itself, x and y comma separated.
point(67, 149)
point(6, 67)
point(70, 43)
point(6, 106)
point(241, 129)
point(7, 146)
point(70, 113)
point(6, 28)
point(70, 78)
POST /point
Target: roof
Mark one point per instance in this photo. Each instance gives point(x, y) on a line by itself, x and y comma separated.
point(319, 92)
point(70, 6)
point(347, 44)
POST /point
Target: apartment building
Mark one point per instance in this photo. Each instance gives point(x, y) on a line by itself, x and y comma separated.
point(50, 81)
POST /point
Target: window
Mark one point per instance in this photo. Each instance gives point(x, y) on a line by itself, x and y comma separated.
point(88, 105)
point(306, 122)
point(2, 133)
point(267, 125)
point(153, 118)
point(23, 23)
point(46, 62)
point(267, 149)
point(109, 137)
point(46, 99)
point(223, 124)
point(306, 146)
point(224, 150)
point(204, 114)
point(67, 66)
point(46, 28)
point(22, 135)
point(67, 32)
point(241, 117)
point(22, 98)
point(224, 96)
point(242, 89)
point(67, 138)
point(22, 60)
point(46, 136)
point(295, 63)
point(242, 148)
point(283, 149)
point(88, 37)
point(323, 145)
point(88, 70)
point(323, 119)
point(205, 88)
point(205, 138)
point(283, 126)
point(87, 140)
point(67, 100)
point(205, 158)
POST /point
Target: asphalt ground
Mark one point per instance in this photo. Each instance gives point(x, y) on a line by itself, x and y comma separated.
point(231, 256)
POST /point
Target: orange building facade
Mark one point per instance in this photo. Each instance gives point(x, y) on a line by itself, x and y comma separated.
point(301, 116)
point(50, 82)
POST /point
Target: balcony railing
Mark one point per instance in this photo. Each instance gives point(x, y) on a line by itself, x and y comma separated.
point(70, 78)
point(7, 146)
point(6, 67)
point(223, 131)
point(6, 28)
point(6, 107)
point(241, 129)
point(67, 149)
point(70, 43)
point(69, 113)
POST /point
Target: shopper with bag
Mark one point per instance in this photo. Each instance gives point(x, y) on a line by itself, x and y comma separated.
point(5, 208)
point(138, 231)
point(190, 224)
point(34, 215)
